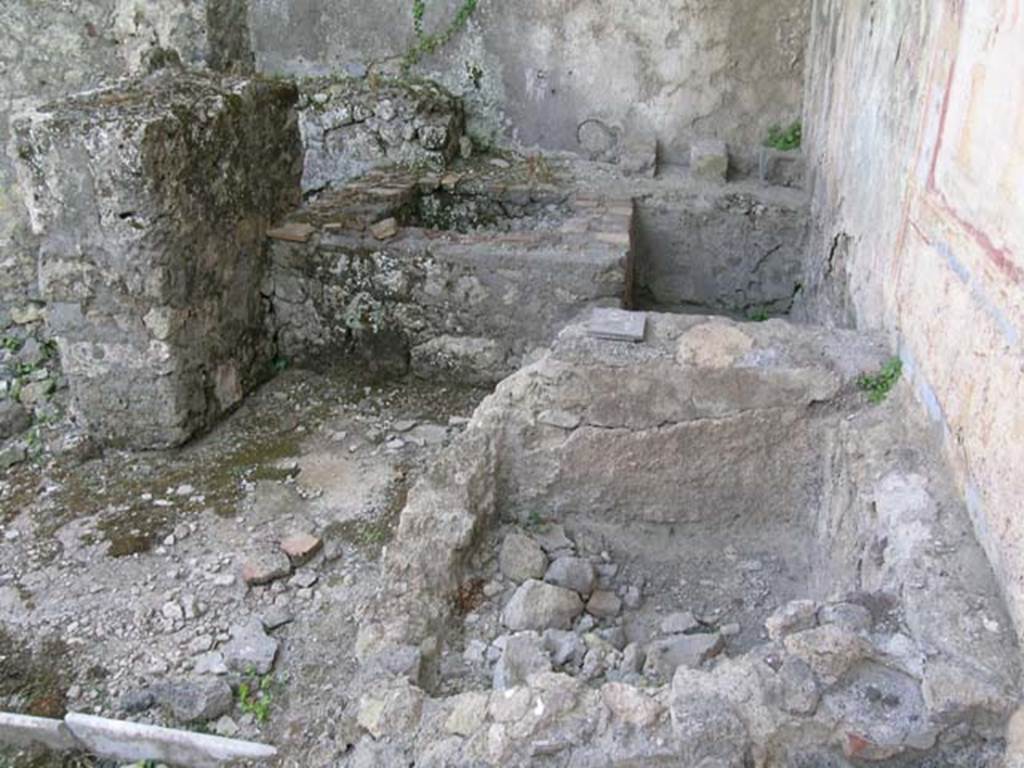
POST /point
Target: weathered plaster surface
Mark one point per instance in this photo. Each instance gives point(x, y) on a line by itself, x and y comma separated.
point(539, 70)
point(915, 135)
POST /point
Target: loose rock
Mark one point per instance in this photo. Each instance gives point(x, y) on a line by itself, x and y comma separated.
point(573, 573)
point(539, 606)
point(524, 655)
point(264, 566)
point(250, 650)
point(521, 558)
point(604, 605)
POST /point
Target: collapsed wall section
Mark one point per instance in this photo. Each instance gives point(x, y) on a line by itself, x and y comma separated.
point(917, 226)
point(151, 202)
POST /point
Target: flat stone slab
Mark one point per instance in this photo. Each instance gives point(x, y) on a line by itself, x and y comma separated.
point(292, 231)
point(26, 731)
point(617, 325)
point(120, 740)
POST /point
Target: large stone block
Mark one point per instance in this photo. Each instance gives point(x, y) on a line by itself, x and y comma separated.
point(152, 200)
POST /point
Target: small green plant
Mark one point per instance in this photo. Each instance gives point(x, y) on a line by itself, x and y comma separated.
point(880, 384)
point(279, 364)
point(11, 344)
point(534, 520)
point(757, 315)
point(419, 9)
point(785, 139)
point(255, 698)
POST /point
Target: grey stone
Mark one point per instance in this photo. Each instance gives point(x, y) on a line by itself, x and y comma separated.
point(539, 606)
point(664, 656)
point(564, 646)
point(397, 661)
point(604, 604)
point(250, 649)
point(793, 689)
point(195, 701)
point(428, 434)
point(303, 579)
point(708, 730)
point(614, 636)
point(36, 393)
point(524, 655)
point(709, 160)
point(794, 616)
point(468, 715)
point(31, 352)
point(633, 658)
point(11, 455)
point(521, 558)
point(552, 538)
point(14, 419)
point(573, 573)
point(138, 700)
point(617, 325)
point(26, 731)
point(275, 617)
point(264, 565)
point(679, 623)
point(210, 663)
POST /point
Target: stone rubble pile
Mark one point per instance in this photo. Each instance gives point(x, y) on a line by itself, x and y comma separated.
point(552, 607)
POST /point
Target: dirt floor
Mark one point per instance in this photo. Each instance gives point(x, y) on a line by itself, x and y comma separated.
point(121, 573)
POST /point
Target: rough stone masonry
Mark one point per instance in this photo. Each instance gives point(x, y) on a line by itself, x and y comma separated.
point(152, 201)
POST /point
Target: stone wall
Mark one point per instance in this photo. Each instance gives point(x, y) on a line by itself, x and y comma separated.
point(49, 49)
point(555, 73)
point(915, 138)
point(151, 201)
point(462, 274)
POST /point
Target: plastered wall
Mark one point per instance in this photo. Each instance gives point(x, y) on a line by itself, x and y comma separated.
point(537, 70)
point(915, 135)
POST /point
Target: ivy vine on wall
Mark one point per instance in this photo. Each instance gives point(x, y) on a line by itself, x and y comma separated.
point(425, 44)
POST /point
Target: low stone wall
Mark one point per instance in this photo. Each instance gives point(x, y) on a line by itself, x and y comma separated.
point(876, 668)
point(465, 273)
point(151, 201)
point(352, 125)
